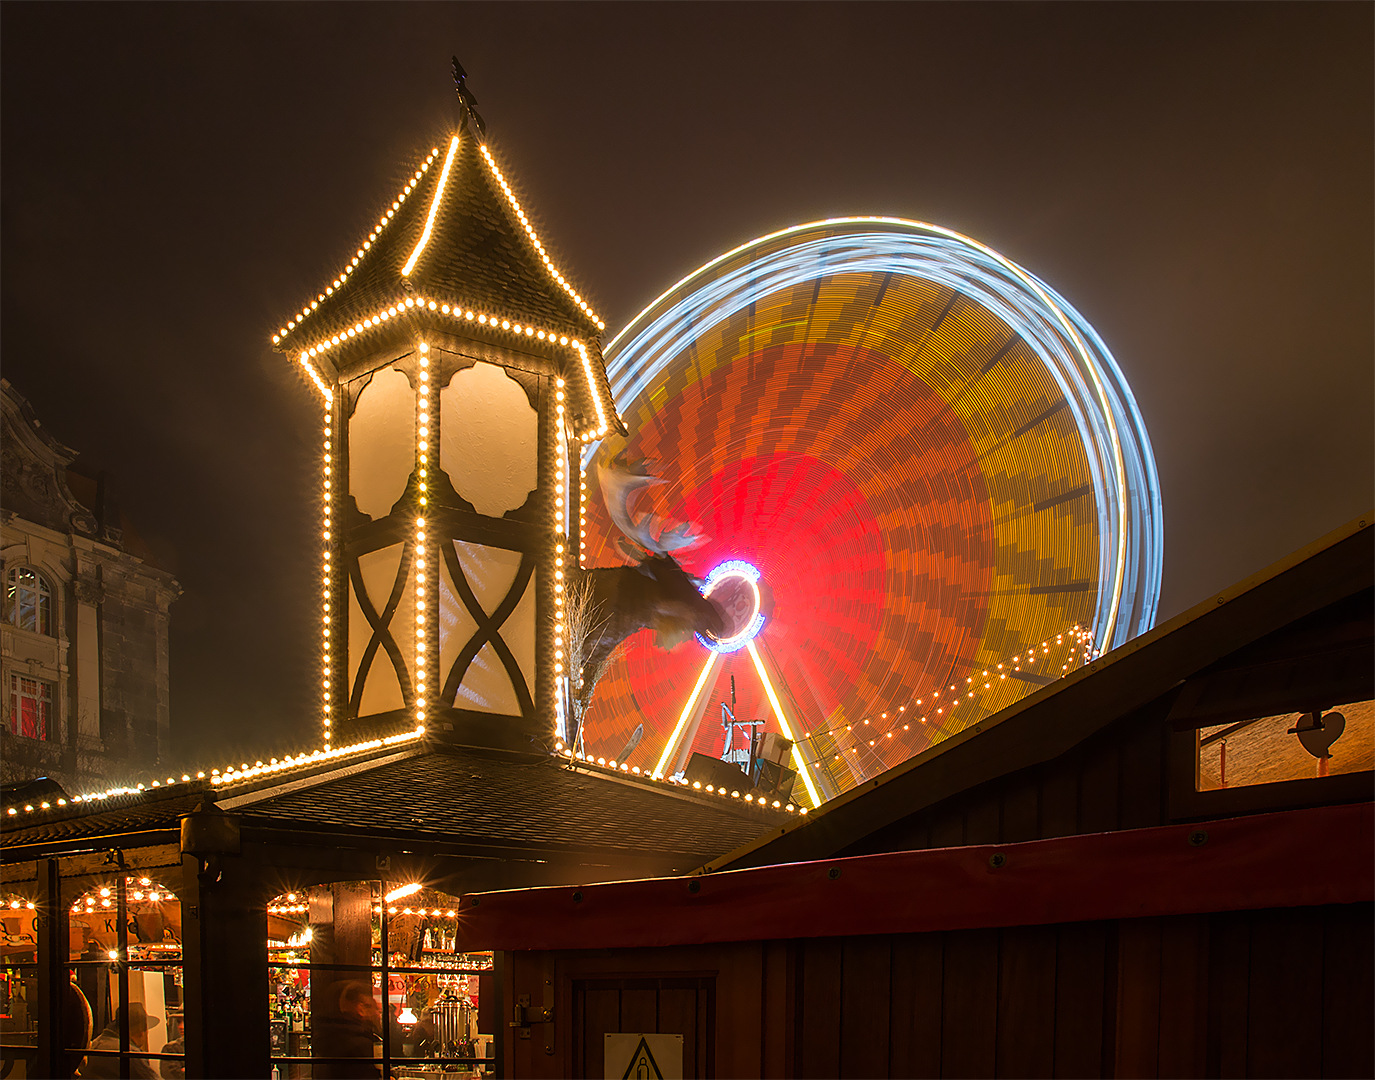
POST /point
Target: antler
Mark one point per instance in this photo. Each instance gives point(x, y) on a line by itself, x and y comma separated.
point(621, 483)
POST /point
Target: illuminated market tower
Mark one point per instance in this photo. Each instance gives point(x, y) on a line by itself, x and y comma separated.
point(458, 370)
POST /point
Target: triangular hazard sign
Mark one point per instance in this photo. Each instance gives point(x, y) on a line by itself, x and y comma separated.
point(642, 1065)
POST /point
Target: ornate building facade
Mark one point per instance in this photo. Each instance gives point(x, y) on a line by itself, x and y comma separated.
point(83, 641)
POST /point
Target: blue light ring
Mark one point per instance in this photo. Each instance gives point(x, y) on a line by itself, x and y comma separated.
point(736, 643)
point(1069, 348)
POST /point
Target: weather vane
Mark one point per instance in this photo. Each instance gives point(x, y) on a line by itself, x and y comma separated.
point(467, 102)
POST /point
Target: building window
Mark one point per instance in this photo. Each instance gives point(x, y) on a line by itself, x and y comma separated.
point(29, 600)
point(31, 703)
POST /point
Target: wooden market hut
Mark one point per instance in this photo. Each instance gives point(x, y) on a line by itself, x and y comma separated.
point(1072, 887)
point(458, 371)
point(456, 818)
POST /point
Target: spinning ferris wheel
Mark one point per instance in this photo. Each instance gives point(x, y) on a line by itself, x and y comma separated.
point(926, 487)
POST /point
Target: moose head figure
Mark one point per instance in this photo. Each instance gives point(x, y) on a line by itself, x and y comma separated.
point(655, 593)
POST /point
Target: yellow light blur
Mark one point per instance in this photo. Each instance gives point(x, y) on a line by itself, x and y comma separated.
point(687, 711)
point(434, 209)
point(783, 722)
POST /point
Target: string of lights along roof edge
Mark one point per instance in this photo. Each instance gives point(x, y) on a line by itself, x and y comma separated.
point(361, 254)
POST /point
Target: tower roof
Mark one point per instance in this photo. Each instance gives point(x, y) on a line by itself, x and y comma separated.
point(455, 238)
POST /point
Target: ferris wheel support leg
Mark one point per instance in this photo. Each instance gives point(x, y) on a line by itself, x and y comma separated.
point(798, 762)
point(679, 744)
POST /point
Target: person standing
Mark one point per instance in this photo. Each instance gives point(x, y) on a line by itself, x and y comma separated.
point(106, 1067)
point(349, 1032)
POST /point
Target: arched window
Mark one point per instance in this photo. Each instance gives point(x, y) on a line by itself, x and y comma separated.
point(29, 600)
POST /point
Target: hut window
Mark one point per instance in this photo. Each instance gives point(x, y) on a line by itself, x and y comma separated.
point(28, 599)
point(386, 954)
point(1287, 746)
point(31, 703)
point(124, 945)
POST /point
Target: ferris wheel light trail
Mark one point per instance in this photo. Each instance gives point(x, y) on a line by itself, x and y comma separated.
point(932, 458)
point(1122, 469)
point(671, 746)
point(783, 723)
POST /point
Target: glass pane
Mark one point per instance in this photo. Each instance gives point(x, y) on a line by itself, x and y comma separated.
point(333, 1008)
point(25, 615)
point(86, 1010)
point(153, 926)
point(1290, 746)
point(18, 1006)
point(91, 1020)
point(433, 1000)
point(20, 920)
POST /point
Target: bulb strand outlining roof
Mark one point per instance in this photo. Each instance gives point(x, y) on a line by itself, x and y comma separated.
point(471, 238)
point(455, 234)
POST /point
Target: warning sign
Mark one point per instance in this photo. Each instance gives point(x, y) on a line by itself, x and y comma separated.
point(643, 1057)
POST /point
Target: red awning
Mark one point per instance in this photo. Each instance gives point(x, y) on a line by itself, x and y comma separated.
point(1293, 859)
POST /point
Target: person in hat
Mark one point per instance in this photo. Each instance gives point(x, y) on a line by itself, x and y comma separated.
point(107, 1067)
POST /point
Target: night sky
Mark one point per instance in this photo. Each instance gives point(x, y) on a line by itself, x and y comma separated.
point(1197, 180)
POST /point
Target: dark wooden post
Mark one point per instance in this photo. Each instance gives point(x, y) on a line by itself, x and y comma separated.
point(53, 928)
point(224, 946)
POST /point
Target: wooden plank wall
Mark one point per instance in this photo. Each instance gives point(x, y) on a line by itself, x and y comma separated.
point(1115, 780)
point(1273, 993)
point(1267, 993)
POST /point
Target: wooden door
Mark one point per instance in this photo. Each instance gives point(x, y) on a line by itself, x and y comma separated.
point(668, 1006)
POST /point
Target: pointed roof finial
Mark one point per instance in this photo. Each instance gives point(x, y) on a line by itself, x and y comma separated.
point(467, 102)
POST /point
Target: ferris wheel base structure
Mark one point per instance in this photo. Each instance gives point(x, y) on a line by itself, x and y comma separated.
point(932, 459)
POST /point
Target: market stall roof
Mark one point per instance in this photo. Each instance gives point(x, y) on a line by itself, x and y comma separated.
point(502, 800)
point(1304, 621)
point(479, 801)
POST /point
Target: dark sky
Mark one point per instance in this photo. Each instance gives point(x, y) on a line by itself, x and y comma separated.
point(1195, 179)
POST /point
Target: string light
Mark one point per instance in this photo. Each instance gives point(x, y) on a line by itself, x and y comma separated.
point(361, 253)
point(1081, 646)
point(561, 466)
point(326, 555)
point(237, 775)
point(578, 760)
point(492, 322)
point(434, 208)
point(544, 255)
point(422, 459)
point(1080, 642)
point(103, 896)
point(320, 385)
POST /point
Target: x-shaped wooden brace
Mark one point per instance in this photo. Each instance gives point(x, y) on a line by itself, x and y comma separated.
point(381, 629)
point(488, 627)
